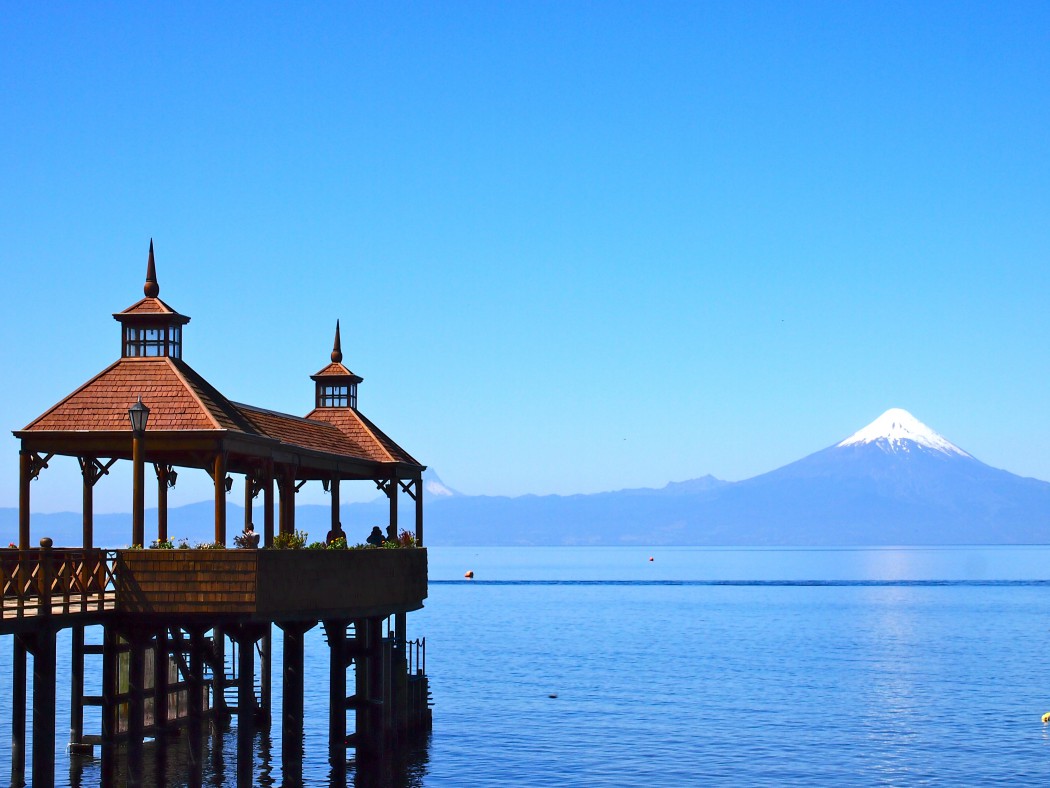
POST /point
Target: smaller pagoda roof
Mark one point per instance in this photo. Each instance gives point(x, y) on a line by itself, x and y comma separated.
point(299, 431)
point(336, 368)
point(150, 306)
point(373, 441)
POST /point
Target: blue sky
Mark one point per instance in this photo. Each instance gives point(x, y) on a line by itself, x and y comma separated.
point(574, 246)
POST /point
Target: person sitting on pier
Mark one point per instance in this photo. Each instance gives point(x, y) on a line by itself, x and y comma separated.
point(376, 537)
point(335, 533)
point(250, 537)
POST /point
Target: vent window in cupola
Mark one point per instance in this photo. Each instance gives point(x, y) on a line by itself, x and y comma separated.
point(151, 328)
point(336, 386)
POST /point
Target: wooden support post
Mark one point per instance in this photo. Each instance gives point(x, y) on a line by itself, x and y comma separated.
point(245, 705)
point(419, 512)
point(76, 689)
point(376, 693)
point(87, 470)
point(265, 678)
point(282, 501)
point(337, 527)
point(293, 685)
point(286, 488)
point(389, 715)
point(391, 531)
point(18, 712)
point(291, 501)
point(218, 670)
point(138, 507)
point(219, 477)
point(136, 701)
point(161, 663)
point(336, 633)
point(196, 691)
point(44, 680)
point(362, 710)
point(25, 476)
point(248, 498)
point(162, 502)
point(195, 681)
point(268, 506)
point(91, 470)
point(110, 655)
point(399, 669)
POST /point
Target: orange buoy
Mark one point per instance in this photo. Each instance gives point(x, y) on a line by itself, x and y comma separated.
point(650, 558)
point(469, 574)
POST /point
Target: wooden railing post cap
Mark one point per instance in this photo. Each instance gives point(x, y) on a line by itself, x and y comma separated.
point(46, 543)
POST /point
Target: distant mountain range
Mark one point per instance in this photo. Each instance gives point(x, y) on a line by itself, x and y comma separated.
point(895, 482)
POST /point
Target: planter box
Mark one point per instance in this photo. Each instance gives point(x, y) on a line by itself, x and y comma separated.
point(272, 585)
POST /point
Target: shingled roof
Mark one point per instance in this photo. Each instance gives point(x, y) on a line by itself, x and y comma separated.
point(150, 306)
point(182, 401)
point(310, 434)
point(375, 444)
point(178, 398)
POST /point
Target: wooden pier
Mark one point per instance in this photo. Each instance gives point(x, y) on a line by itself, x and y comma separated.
point(186, 633)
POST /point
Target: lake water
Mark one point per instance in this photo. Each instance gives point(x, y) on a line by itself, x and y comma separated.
point(706, 667)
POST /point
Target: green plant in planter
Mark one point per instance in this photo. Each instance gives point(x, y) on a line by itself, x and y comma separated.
point(210, 546)
point(316, 546)
point(337, 544)
point(184, 544)
point(296, 541)
point(166, 544)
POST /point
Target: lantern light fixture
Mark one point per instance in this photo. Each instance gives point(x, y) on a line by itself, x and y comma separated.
point(139, 415)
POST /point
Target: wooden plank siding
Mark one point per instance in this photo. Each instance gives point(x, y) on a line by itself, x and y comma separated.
point(271, 584)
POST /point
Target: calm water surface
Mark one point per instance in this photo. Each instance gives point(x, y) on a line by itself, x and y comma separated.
point(723, 667)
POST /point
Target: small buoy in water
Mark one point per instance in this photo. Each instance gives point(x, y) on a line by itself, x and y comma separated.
point(1046, 717)
point(553, 695)
point(469, 574)
point(650, 558)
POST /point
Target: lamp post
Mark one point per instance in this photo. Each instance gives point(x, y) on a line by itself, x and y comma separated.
point(139, 415)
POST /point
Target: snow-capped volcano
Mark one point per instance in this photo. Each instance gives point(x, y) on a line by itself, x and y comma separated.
point(435, 487)
point(897, 430)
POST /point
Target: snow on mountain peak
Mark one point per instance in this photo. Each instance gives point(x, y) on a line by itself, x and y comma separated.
point(896, 428)
point(435, 487)
point(438, 489)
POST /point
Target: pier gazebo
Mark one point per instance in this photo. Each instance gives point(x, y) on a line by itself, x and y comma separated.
point(151, 407)
point(191, 424)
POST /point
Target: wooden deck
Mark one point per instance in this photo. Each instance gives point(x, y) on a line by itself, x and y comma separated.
point(73, 586)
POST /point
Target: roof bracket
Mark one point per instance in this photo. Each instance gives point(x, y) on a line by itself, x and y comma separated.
point(93, 470)
point(37, 464)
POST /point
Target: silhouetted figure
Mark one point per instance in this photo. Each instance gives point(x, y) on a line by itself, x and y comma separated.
point(376, 537)
point(250, 537)
point(335, 533)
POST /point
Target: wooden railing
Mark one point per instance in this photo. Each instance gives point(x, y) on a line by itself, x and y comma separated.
point(416, 654)
point(45, 581)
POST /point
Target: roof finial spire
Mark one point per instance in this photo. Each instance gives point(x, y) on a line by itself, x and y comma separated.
point(151, 288)
point(337, 350)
